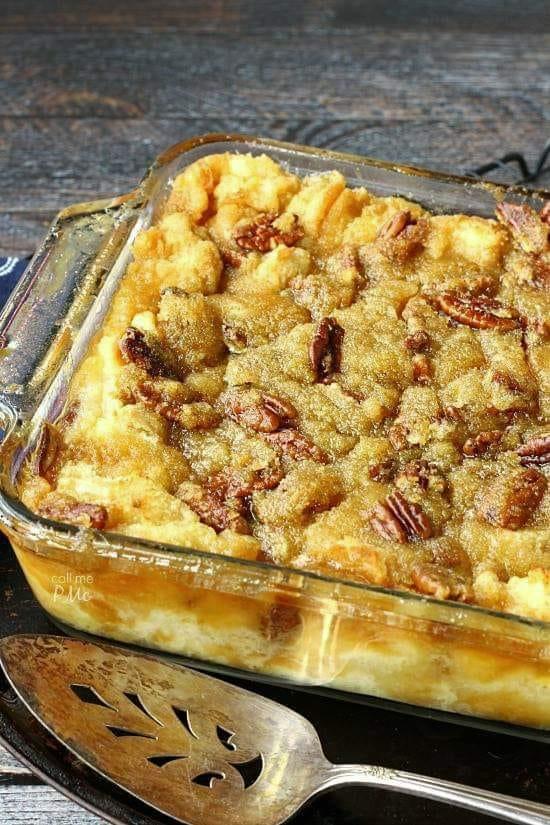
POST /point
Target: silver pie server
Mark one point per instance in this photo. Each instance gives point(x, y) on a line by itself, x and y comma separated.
point(196, 748)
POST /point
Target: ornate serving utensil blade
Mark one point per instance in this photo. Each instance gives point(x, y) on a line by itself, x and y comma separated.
point(196, 748)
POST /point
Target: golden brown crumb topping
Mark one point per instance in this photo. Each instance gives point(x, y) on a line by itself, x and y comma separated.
point(304, 373)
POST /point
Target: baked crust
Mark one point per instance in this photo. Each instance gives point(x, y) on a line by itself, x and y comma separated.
point(308, 374)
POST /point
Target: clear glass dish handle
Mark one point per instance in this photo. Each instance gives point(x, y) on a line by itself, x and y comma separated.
point(43, 316)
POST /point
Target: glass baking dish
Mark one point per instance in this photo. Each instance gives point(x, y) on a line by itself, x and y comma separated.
point(300, 627)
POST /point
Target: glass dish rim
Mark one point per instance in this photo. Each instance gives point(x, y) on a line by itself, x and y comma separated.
point(19, 519)
point(139, 194)
point(115, 541)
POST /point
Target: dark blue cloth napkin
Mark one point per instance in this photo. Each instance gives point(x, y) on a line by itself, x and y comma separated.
point(11, 270)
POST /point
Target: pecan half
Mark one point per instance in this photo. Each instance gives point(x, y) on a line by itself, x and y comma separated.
point(411, 516)
point(47, 451)
point(382, 471)
point(422, 474)
point(386, 524)
point(535, 451)
point(526, 226)
point(396, 224)
point(398, 436)
point(281, 407)
point(402, 236)
point(480, 443)
point(80, 513)
point(325, 351)
point(261, 412)
point(477, 312)
point(162, 398)
point(232, 490)
point(279, 620)
point(211, 509)
point(234, 338)
point(418, 341)
point(233, 485)
point(261, 234)
point(135, 349)
point(154, 399)
point(441, 583)
point(506, 380)
point(400, 520)
point(452, 413)
point(295, 445)
point(422, 369)
point(511, 501)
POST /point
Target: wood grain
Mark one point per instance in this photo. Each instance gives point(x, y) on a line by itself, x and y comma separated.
point(58, 161)
point(90, 93)
point(39, 804)
point(257, 15)
point(355, 74)
point(10, 766)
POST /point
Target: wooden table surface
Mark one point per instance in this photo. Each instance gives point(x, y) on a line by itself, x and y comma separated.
point(91, 92)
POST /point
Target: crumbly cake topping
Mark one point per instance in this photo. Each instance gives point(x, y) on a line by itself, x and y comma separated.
point(305, 373)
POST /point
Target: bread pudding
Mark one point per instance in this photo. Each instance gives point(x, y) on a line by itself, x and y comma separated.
point(304, 373)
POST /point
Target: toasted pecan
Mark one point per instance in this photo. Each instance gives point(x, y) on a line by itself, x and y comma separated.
point(422, 369)
point(279, 620)
point(232, 490)
point(398, 436)
point(535, 451)
point(507, 381)
point(411, 515)
point(526, 226)
point(230, 484)
point(541, 326)
point(325, 350)
point(281, 407)
point(384, 522)
point(262, 235)
point(396, 224)
point(418, 341)
point(260, 411)
point(441, 582)
point(230, 258)
point(211, 510)
point(400, 520)
point(477, 312)
point(382, 471)
point(541, 272)
point(163, 397)
point(47, 451)
point(511, 501)
point(480, 443)
point(234, 338)
point(452, 413)
point(421, 473)
point(295, 445)
point(135, 349)
point(80, 513)
point(402, 236)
